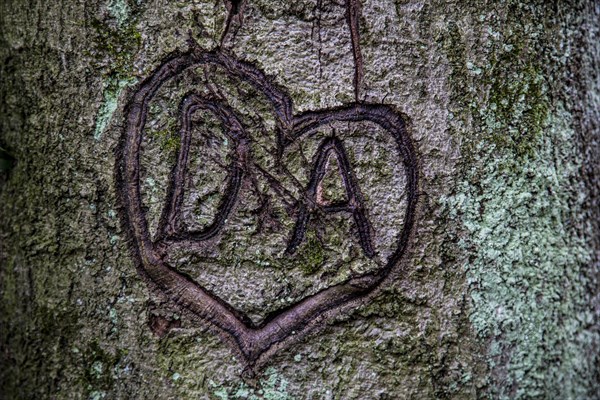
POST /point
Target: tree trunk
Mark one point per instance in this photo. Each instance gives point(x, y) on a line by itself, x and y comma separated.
point(317, 199)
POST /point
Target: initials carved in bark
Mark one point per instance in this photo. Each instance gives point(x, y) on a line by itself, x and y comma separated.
point(256, 342)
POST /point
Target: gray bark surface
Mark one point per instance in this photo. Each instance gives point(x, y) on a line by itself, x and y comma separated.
point(496, 296)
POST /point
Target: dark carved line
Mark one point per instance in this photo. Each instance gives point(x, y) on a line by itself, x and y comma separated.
point(317, 16)
point(176, 286)
point(337, 207)
point(255, 343)
point(282, 104)
point(355, 203)
point(169, 221)
point(352, 17)
point(355, 199)
point(170, 226)
point(234, 10)
point(275, 184)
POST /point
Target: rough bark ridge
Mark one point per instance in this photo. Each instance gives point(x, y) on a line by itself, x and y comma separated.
point(499, 297)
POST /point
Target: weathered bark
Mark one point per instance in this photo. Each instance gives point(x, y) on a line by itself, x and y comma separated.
point(478, 121)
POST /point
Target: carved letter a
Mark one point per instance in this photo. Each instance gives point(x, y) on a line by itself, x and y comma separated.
point(354, 204)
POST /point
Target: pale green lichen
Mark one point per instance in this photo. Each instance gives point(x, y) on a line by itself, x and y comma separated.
point(119, 9)
point(103, 368)
point(119, 45)
point(97, 395)
point(272, 387)
point(522, 209)
point(97, 369)
point(111, 94)
point(527, 276)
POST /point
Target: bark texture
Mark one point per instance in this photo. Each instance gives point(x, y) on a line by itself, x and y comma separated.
point(496, 296)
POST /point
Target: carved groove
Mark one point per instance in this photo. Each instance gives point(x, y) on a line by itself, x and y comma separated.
point(255, 343)
point(352, 16)
point(170, 224)
point(354, 204)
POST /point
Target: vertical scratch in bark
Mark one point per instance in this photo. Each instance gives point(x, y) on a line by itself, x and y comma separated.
point(352, 15)
point(317, 15)
point(234, 11)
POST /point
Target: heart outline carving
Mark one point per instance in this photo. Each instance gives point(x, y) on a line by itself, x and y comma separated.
point(255, 344)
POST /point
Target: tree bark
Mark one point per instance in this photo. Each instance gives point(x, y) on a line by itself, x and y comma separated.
point(246, 199)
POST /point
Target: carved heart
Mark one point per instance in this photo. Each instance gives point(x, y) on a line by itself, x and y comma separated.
point(255, 343)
